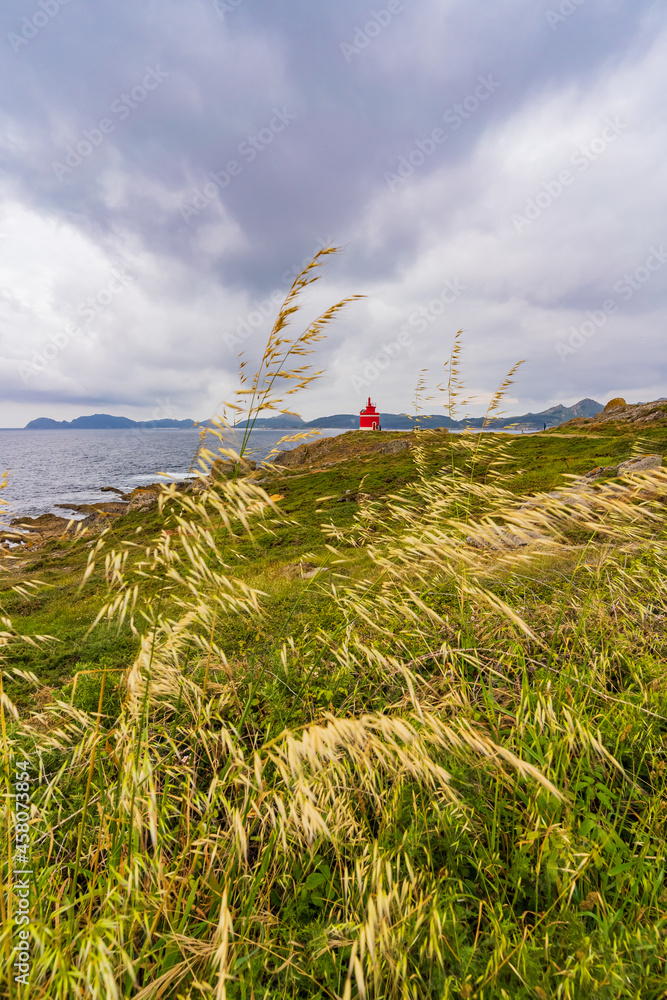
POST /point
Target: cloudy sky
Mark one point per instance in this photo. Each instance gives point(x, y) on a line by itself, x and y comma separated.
point(168, 166)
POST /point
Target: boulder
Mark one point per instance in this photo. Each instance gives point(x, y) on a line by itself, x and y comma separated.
point(115, 507)
point(295, 456)
point(45, 526)
point(225, 468)
point(393, 447)
point(114, 489)
point(144, 497)
point(16, 537)
point(640, 464)
point(600, 471)
point(93, 522)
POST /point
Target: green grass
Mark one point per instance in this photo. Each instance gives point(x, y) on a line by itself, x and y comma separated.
point(64, 611)
point(434, 769)
point(480, 884)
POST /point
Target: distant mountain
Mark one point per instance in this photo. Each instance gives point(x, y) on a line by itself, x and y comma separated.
point(553, 416)
point(349, 420)
point(584, 408)
point(102, 421)
point(166, 422)
point(287, 422)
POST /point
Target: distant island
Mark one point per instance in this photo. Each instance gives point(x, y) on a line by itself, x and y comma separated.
point(553, 416)
point(101, 421)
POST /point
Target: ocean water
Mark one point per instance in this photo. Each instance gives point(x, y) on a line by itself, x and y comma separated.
point(70, 466)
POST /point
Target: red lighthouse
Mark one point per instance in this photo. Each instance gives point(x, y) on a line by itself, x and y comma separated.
point(369, 419)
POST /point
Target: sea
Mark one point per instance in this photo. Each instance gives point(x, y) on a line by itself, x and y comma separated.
point(50, 467)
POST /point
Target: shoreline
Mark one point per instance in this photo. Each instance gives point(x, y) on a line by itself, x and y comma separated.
point(87, 504)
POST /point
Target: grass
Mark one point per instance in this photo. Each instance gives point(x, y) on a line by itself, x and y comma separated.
point(434, 769)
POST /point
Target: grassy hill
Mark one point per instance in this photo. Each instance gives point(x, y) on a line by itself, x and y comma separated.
point(342, 469)
point(388, 720)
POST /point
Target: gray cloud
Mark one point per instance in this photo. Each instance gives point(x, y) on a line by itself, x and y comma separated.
point(318, 106)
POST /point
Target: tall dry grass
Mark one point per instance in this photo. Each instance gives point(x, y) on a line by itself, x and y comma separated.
point(482, 816)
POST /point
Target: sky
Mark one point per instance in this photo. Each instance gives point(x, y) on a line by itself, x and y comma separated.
point(168, 167)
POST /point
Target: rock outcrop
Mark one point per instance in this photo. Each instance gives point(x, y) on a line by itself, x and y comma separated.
point(325, 452)
point(144, 497)
point(32, 530)
point(225, 468)
point(94, 508)
point(114, 489)
point(642, 463)
point(630, 413)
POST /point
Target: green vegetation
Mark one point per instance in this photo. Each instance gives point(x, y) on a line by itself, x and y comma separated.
point(434, 768)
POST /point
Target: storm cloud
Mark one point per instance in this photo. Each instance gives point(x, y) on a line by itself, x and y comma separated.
point(167, 168)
